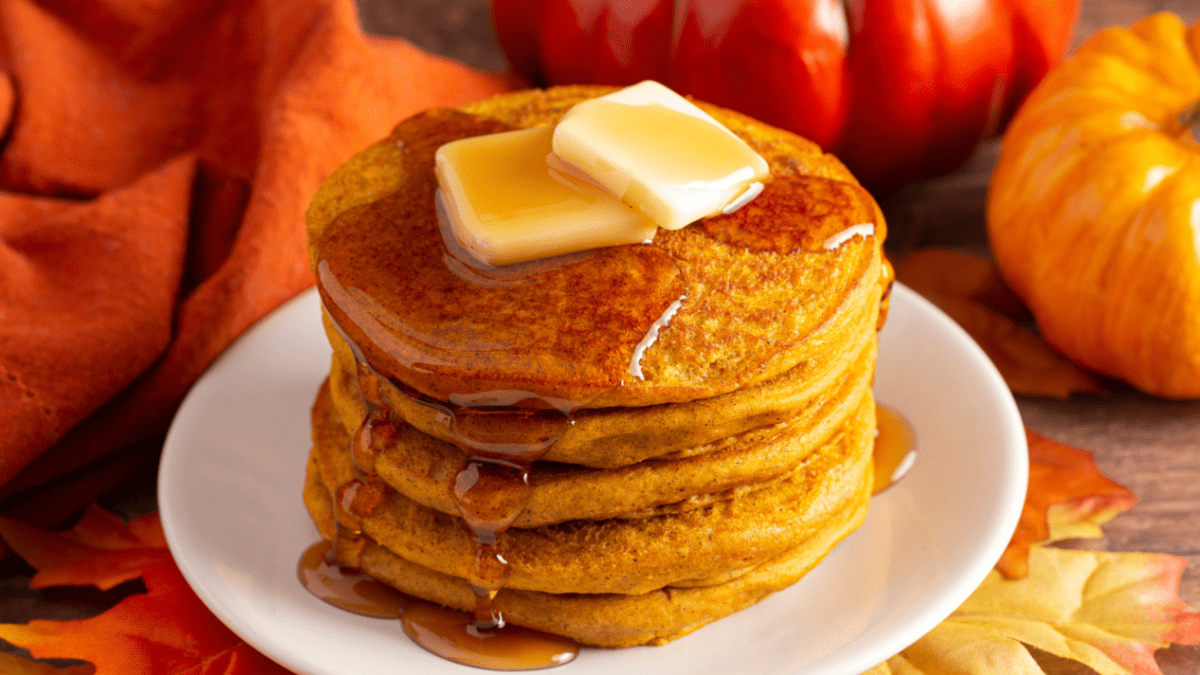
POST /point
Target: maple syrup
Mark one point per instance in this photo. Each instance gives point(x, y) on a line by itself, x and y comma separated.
point(798, 213)
point(449, 633)
point(887, 279)
point(895, 448)
point(366, 492)
point(352, 591)
point(454, 636)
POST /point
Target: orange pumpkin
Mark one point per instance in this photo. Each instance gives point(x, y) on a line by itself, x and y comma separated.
point(1094, 207)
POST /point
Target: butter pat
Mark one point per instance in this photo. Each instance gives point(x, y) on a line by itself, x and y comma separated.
point(508, 200)
point(660, 153)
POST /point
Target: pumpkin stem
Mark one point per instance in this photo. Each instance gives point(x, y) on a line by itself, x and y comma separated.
point(1189, 120)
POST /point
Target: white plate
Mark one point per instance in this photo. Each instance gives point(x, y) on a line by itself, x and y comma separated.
point(233, 469)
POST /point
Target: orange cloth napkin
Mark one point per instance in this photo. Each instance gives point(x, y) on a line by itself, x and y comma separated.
point(157, 159)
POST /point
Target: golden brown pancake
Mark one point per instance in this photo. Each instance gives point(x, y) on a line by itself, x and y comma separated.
point(423, 468)
point(630, 555)
point(602, 620)
point(615, 437)
point(568, 333)
point(669, 485)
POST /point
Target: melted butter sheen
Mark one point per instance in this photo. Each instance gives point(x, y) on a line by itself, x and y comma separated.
point(507, 201)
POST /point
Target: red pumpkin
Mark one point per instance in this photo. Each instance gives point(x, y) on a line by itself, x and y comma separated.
point(898, 89)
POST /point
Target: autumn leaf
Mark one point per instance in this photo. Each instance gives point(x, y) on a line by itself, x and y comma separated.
point(14, 665)
point(100, 550)
point(165, 631)
point(1108, 611)
point(1068, 497)
point(970, 291)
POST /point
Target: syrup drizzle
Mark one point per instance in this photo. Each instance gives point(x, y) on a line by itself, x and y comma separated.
point(366, 492)
point(493, 488)
point(452, 635)
point(342, 587)
point(895, 448)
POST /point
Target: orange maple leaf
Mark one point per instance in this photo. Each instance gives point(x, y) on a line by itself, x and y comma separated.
point(1060, 475)
point(99, 551)
point(969, 289)
point(165, 631)
point(15, 665)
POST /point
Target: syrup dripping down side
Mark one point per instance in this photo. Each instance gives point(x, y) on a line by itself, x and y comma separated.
point(491, 491)
point(345, 588)
point(366, 492)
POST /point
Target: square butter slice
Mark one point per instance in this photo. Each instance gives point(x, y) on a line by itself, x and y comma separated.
point(660, 153)
point(510, 201)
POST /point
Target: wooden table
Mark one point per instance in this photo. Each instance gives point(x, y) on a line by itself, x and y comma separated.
point(1150, 445)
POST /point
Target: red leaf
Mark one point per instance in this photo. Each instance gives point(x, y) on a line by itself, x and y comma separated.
point(1058, 474)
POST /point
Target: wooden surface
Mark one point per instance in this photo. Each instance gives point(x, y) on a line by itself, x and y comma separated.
point(1150, 445)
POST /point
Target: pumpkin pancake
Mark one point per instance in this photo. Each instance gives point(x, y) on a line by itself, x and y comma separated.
point(618, 445)
point(601, 620)
point(424, 468)
point(598, 556)
point(615, 437)
point(755, 302)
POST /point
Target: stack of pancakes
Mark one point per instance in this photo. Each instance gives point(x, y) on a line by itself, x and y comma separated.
point(698, 411)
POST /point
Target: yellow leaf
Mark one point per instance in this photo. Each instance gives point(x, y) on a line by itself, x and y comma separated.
point(1108, 611)
point(1080, 519)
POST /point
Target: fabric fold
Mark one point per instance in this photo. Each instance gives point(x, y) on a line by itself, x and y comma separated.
point(191, 134)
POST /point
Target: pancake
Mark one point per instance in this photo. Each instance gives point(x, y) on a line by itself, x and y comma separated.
point(567, 334)
point(615, 437)
point(603, 620)
point(423, 468)
point(595, 556)
point(633, 555)
point(524, 434)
